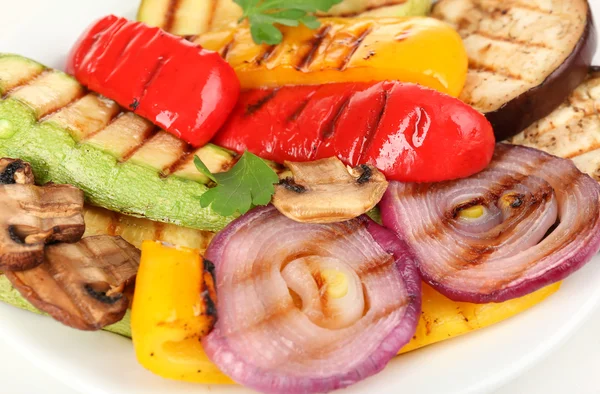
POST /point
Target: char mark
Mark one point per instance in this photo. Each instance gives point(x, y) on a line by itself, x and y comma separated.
point(315, 43)
point(102, 296)
point(354, 46)
point(7, 177)
point(170, 15)
point(366, 175)
point(290, 185)
point(255, 107)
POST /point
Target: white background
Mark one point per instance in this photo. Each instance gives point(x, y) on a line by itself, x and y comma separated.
point(574, 368)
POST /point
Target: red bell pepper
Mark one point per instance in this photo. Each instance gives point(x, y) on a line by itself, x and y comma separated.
point(410, 133)
point(177, 85)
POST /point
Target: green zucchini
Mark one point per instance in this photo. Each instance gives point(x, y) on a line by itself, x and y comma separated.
point(120, 161)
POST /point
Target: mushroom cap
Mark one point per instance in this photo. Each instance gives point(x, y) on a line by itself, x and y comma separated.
point(326, 191)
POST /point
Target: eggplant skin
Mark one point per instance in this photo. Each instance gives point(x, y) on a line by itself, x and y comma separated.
point(538, 102)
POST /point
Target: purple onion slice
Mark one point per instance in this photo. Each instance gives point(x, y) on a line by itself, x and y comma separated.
point(309, 308)
point(530, 219)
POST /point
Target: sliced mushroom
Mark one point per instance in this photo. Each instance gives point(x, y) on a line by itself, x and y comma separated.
point(326, 191)
point(32, 216)
point(82, 285)
point(15, 171)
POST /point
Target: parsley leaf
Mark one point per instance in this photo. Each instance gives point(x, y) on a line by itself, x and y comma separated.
point(264, 14)
point(248, 184)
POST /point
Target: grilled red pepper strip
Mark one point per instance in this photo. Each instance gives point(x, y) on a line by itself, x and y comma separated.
point(410, 133)
point(177, 85)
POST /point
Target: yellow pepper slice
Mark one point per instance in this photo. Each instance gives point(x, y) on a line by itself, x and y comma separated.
point(173, 308)
point(418, 49)
point(443, 318)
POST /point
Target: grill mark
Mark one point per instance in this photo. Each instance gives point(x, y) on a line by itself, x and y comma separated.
point(583, 151)
point(114, 117)
point(227, 47)
point(381, 314)
point(375, 266)
point(390, 3)
point(185, 158)
point(44, 116)
point(267, 54)
point(479, 67)
point(255, 107)
point(372, 128)
point(329, 130)
point(114, 224)
point(494, 37)
point(315, 43)
point(211, 14)
point(531, 7)
point(148, 135)
point(26, 81)
point(278, 312)
point(159, 228)
point(153, 75)
point(355, 45)
point(298, 111)
point(170, 14)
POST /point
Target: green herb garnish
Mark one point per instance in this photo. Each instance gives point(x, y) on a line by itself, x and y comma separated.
point(264, 14)
point(248, 184)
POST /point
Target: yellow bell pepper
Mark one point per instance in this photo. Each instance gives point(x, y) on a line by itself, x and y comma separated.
point(173, 308)
point(443, 318)
point(419, 50)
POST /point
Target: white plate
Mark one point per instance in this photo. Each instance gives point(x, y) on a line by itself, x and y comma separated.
point(102, 363)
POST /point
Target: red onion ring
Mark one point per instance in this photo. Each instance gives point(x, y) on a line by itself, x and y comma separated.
point(540, 223)
point(265, 340)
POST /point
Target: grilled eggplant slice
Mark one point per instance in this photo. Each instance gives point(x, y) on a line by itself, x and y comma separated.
point(119, 160)
point(525, 58)
point(191, 17)
point(573, 130)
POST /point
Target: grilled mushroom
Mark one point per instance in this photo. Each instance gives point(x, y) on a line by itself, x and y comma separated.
point(82, 285)
point(15, 171)
point(32, 216)
point(326, 191)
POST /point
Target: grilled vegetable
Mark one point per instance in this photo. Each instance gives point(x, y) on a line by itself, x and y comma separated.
point(81, 285)
point(99, 221)
point(187, 17)
point(409, 133)
point(572, 131)
point(529, 220)
point(347, 295)
point(325, 191)
point(442, 318)
point(524, 58)
point(141, 68)
point(173, 308)
point(34, 216)
point(420, 50)
point(118, 159)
